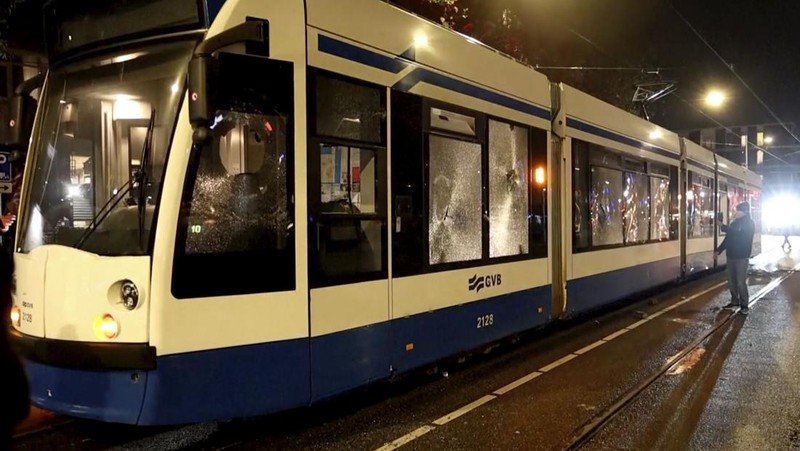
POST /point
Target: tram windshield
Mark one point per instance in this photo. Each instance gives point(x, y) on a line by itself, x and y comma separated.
point(100, 150)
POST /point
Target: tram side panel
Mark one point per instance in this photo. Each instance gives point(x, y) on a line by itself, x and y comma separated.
point(468, 224)
point(624, 216)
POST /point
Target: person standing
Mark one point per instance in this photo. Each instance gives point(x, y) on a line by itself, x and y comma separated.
point(14, 399)
point(9, 217)
point(738, 244)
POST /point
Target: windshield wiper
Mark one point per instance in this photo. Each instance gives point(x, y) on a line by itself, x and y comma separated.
point(104, 211)
point(138, 179)
point(142, 175)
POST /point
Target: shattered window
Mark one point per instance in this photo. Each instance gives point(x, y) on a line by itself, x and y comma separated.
point(707, 209)
point(508, 189)
point(455, 200)
point(580, 190)
point(605, 206)
point(235, 230)
point(637, 208)
point(239, 200)
point(700, 213)
point(349, 110)
point(659, 207)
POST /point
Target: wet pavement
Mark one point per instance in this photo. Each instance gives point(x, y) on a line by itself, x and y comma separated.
point(738, 390)
point(756, 402)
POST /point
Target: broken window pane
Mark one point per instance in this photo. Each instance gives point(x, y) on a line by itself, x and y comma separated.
point(508, 189)
point(659, 201)
point(580, 190)
point(605, 206)
point(455, 200)
point(700, 214)
point(637, 208)
point(349, 110)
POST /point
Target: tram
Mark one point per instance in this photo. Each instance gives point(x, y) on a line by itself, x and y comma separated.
point(232, 208)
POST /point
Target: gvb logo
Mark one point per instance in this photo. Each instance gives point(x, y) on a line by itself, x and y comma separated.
point(478, 283)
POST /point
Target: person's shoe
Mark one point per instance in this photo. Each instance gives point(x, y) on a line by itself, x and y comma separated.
point(730, 306)
point(744, 311)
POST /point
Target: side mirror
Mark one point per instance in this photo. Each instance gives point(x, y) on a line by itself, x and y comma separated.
point(23, 110)
point(201, 102)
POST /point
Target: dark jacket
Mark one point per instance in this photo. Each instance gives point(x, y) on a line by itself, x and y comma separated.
point(15, 396)
point(738, 242)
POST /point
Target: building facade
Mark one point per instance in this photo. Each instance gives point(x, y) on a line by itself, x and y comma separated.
point(770, 149)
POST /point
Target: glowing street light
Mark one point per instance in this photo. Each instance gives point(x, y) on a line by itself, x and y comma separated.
point(715, 98)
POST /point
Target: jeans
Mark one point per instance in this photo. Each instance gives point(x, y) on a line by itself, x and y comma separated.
point(737, 281)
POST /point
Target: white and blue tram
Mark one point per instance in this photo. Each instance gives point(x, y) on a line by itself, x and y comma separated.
point(236, 207)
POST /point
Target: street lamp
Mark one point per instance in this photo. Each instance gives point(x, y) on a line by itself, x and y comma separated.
point(715, 98)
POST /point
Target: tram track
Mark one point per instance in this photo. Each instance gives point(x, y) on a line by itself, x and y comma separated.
point(585, 433)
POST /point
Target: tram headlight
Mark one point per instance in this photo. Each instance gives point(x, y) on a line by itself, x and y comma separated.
point(15, 316)
point(105, 326)
point(130, 295)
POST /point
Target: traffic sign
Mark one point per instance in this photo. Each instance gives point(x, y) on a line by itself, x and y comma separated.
point(5, 187)
point(5, 167)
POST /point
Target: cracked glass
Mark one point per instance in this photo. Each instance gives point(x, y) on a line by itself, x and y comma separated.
point(605, 206)
point(508, 189)
point(455, 200)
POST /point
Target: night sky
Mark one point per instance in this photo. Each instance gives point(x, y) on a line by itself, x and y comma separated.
point(757, 37)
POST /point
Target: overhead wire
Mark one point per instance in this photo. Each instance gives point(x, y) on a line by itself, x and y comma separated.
point(729, 130)
point(690, 104)
point(733, 71)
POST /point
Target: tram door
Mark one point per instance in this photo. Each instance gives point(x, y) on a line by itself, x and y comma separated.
point(347, 201)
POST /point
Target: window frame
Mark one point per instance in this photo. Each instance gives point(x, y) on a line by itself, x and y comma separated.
point(707, 183)
point(185, 286)
point(647, 168)
point(318, 218)
point(487, 188)
point(413, 264)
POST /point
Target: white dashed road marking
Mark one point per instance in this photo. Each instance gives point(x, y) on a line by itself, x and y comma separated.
point(529, 377)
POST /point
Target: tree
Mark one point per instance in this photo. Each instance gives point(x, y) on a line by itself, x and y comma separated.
point(493, 23)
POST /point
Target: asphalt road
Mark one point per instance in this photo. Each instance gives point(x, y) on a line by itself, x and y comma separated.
point(736, 391)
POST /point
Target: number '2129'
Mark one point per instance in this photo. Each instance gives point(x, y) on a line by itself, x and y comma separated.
point(485, 320)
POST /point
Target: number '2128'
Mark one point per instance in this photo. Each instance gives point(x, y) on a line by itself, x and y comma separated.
point(485, 320)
